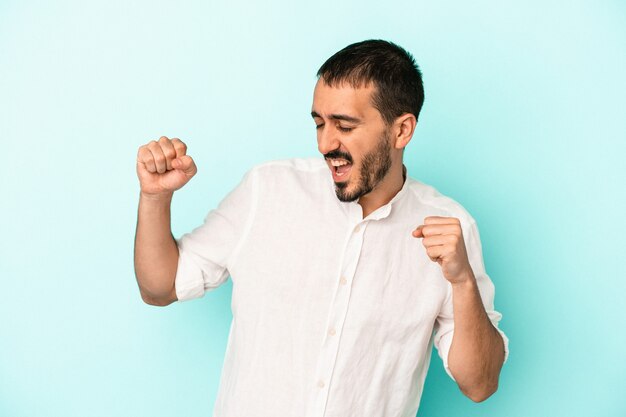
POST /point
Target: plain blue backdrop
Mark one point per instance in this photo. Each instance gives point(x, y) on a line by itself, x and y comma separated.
point(523, 124)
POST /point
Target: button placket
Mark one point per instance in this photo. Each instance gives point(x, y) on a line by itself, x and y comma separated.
point(338, 311)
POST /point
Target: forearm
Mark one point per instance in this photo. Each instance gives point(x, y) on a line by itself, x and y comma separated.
point(477, 351)
point(156, 252)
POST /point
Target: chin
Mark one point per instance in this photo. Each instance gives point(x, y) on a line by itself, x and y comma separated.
point(345, 192)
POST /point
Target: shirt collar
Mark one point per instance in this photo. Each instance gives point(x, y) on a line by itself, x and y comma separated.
point(381, 212)
point(384, 211)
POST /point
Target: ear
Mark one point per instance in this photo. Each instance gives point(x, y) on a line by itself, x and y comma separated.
point(404, 126)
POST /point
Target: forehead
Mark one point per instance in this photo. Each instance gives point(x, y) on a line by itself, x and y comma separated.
point(343, 99)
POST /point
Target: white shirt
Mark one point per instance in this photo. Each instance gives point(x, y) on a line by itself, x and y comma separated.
point(333, 314)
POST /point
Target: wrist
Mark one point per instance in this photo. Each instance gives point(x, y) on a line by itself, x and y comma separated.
point(465, 281)
point(163, 198)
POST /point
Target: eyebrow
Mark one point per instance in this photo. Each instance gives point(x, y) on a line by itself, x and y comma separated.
point(339, 117)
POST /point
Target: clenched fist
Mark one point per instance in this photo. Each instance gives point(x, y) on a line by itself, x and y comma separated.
point(442, 238)
point(163, 166)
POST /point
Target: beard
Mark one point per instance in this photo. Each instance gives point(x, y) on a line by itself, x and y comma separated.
point(374, 167)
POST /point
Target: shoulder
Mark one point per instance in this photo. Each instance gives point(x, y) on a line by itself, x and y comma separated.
point(289, 171)
point(292, 165)
point(291, 185)
point(430, 199)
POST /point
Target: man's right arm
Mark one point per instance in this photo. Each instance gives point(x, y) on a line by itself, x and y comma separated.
point(156, 252)
point(162, 167)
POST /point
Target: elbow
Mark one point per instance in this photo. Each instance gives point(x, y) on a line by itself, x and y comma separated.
point(480, 393)
point(158, 301)
point(157, 291)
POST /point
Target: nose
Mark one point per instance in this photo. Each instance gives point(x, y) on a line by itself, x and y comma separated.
point(327, 140)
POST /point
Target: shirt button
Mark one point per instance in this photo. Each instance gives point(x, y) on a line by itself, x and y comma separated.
point(357, 228)
point(321, 384)
point(343, 281)
point(332, 332)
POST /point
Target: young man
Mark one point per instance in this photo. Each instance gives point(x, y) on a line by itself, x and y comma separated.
point(342, 267)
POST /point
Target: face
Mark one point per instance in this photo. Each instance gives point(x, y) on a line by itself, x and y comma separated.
point(353, 138)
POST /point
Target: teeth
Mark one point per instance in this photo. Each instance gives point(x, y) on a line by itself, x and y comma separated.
point(338, 163)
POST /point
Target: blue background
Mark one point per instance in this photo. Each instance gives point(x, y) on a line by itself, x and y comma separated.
point(524, 124)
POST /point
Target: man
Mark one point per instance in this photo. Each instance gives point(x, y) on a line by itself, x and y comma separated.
point(340, 277)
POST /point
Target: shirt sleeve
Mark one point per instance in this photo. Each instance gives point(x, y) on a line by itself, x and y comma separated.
point(444, 325)
point(205, 252)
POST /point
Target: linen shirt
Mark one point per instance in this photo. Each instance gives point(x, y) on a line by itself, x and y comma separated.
point(334, 315)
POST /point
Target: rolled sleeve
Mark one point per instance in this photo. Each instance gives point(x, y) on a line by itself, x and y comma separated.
point(443, 341)
point(444, 326)
point(204, 254)
point(192, 279)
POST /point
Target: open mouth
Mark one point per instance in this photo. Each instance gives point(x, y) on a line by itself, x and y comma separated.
point(340, 169)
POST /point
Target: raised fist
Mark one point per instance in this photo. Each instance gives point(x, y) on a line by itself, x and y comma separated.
point(163, 166)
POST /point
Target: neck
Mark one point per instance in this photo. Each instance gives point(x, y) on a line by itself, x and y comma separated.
point(384, 191)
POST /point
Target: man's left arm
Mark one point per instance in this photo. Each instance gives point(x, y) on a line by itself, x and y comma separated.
point(477, 350)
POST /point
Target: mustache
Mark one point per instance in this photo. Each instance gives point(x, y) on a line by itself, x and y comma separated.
point(337, 154)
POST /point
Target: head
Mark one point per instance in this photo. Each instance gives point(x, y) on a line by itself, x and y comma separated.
point(365, 106)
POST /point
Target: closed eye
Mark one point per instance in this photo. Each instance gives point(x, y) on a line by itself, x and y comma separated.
point(345, 129)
